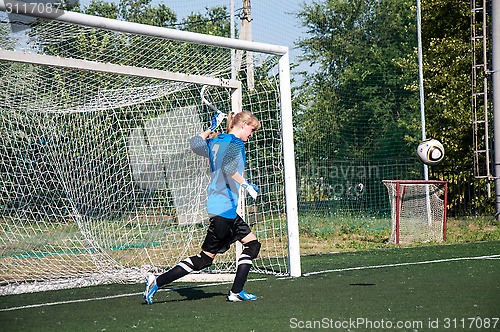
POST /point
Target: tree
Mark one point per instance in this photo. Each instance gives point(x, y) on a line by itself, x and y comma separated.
point(215, 21)
point(102, 9)
point(356, 115)
point(141, 11)
point(447, 74)
point(364, 82)
point(361, 97)
point(447, 82)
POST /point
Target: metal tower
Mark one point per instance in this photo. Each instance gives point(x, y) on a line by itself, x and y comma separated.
point(481, 76)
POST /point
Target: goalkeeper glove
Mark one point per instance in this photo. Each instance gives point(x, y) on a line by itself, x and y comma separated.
point(251, 188)
point(216, 120)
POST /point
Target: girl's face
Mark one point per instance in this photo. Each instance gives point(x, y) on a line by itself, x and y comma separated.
point(246, 132)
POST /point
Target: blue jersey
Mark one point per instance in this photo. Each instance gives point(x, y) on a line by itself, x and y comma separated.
point(226, 154)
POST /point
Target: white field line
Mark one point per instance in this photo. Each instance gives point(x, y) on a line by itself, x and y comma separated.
point(497, 256)
point(116, 296)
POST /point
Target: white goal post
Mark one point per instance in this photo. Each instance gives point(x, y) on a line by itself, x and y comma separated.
point(418, 210)
point(97, 183)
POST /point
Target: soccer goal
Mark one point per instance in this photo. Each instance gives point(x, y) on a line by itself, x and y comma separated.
point(97, 181)
point(418, 210)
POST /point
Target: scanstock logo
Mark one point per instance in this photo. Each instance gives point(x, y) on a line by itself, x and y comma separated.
point(21, 14)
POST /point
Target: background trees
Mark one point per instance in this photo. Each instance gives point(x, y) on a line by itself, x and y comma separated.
point(447, 74)
point(360, 98)
point(358, 106)
point(357, 102)
point(447, 80)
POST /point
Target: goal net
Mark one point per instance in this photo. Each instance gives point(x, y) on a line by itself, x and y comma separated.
point(418, 210)
point(97, 181)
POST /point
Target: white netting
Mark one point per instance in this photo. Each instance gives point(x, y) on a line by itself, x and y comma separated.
point(85, 43)
point(421, 215)
point(97, 181)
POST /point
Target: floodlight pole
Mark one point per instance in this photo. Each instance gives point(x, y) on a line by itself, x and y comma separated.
point(495, 77)
point(421, 80)
point(422, 104)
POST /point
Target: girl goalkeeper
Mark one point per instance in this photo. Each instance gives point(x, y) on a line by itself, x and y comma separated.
point(227, 158)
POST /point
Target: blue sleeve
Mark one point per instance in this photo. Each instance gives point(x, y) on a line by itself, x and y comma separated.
point(232, 158)
point(199, 146)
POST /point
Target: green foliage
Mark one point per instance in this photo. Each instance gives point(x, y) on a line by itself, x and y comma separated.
point(447, 80)
point(6, 41)
point(102, 9)
point(447, 73)
point(356, 113)
point(141, 11)
point(215, 21)
point(359, 100)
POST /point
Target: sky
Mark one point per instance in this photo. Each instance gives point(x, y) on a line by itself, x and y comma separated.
point(273, 21)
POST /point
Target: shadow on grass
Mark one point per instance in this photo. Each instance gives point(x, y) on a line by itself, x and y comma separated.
point(191, 293)
point(196, 293)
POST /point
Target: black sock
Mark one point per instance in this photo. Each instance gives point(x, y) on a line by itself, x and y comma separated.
point(241, 277)
point(173, 274)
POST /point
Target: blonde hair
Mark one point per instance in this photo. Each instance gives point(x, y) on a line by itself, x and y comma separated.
point(243, 117)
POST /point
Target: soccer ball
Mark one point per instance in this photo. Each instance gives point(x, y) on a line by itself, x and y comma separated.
point(430, 152)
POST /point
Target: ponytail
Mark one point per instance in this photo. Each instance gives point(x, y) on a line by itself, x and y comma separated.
point(234, 119)
point(230, 120)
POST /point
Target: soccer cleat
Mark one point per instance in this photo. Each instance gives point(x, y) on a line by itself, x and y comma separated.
point(241, 296)
point(151, 288)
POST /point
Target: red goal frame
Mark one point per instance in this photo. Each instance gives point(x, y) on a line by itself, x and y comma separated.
point(400, 194)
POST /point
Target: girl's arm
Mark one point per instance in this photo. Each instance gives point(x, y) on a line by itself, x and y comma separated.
point(238, 178)
point(252, 189)
point(205, 134)
point(198, 144)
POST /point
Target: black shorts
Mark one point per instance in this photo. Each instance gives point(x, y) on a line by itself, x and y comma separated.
point(222, 232)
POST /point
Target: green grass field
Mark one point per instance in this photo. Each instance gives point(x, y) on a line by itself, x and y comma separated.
point(429, 288)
